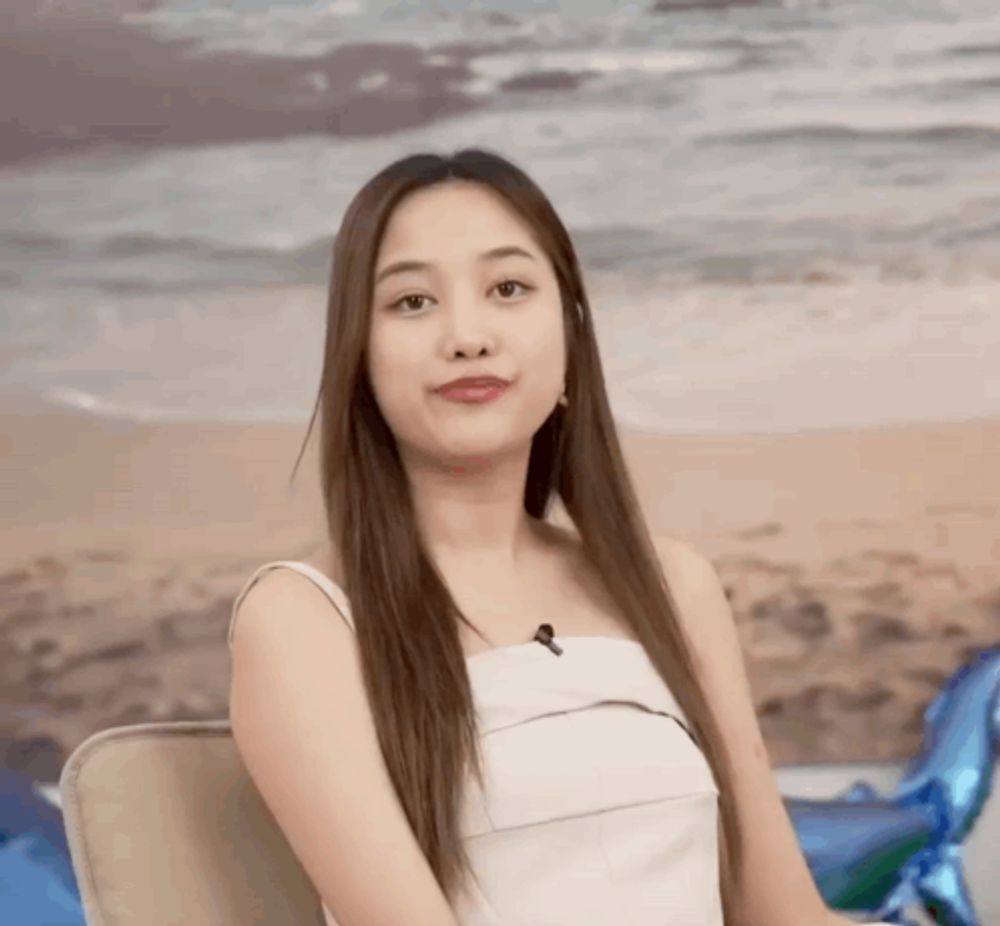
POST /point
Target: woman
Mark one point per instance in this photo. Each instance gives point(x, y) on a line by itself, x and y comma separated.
point(432, 757)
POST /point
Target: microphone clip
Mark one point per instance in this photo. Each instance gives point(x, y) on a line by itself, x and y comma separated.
point(544, 635)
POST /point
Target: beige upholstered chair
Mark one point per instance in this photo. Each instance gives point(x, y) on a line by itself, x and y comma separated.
point(166, 828)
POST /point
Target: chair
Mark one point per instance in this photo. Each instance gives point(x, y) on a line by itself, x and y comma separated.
point(166, 828)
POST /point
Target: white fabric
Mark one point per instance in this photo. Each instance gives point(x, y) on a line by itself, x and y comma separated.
point(599, 807)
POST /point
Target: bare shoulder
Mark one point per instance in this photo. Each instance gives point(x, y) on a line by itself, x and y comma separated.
point(685, 567)
point(702, 605)
point(281, 601)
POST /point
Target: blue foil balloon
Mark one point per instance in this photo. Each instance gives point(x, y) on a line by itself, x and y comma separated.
point(877, 855)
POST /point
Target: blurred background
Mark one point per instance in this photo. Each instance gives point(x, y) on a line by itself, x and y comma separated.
point(788, 218)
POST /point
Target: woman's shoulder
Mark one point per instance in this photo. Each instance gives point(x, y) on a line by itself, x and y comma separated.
point(673, 549)
point(681, 559)
point(277, 585)
point(321, 565)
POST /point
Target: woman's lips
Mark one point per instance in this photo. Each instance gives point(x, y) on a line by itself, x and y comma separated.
point(474, 393)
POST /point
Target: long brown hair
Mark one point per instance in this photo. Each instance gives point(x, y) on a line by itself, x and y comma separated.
point(413, 662)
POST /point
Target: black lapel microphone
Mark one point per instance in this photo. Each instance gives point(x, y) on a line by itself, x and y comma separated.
point(544, 636)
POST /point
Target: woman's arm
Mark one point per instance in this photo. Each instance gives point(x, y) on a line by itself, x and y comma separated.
point(301, 722)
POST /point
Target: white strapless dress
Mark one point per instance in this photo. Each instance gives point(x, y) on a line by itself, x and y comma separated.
point(599, 806)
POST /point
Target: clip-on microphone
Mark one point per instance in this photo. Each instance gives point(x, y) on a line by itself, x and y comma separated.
point(544, 635)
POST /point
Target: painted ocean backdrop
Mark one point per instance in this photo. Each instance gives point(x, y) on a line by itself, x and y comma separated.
point(788, 213)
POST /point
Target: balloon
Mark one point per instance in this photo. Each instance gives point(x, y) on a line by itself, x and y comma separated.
point(877, 855)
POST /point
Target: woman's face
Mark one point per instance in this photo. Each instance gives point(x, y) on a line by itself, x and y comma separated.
point(463, 315)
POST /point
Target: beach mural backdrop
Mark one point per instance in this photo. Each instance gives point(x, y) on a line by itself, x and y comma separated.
point(788, 217)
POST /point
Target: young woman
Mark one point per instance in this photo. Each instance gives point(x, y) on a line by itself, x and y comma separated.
point(433, 757)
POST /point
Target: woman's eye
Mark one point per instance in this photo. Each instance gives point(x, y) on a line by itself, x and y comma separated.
point(523, 286)
point(399, 303)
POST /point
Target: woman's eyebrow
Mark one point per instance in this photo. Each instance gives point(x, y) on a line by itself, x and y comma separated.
point(403, 266)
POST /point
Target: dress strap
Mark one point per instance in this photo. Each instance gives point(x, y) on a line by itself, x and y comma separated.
point(330, 588)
